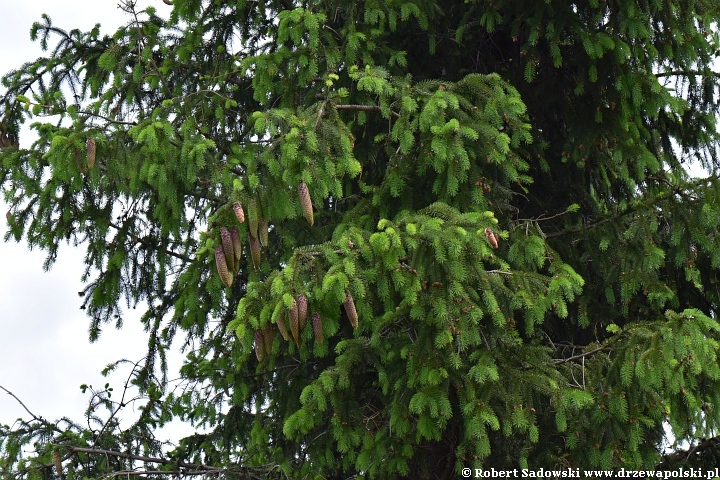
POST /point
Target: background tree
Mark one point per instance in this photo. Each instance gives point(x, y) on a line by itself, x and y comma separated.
point(400, 238)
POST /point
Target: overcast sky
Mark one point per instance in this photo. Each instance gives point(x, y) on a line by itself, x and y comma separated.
point(44, 350)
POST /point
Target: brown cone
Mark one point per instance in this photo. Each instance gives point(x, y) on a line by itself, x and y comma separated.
point(263, 231)
point(317, 328)
point(491, 237)
point(255, 251)
point(228, 248)
point(222, 269)
point(237, 246)
point(253, 217)
point(294, 322)
point(259, 344)
point(58, 464)
point(302, 304)
point(239, 214)
point(349, 305)
point(282, 327)
point(268, 337)
point(306, 203)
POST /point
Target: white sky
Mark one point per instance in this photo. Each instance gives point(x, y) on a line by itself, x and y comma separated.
point(44, 351)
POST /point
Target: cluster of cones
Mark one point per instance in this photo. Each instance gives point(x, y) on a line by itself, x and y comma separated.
point(227, 255)
point(292, 321)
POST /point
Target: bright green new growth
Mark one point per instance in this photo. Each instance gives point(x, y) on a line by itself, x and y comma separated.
point(387, 144)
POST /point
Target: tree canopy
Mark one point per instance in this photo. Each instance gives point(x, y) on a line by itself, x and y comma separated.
point(394, 238)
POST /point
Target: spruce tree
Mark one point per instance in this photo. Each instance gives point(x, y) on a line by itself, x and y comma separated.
point(399, 238)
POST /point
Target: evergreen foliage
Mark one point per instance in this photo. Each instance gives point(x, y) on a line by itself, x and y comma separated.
point(309, 193)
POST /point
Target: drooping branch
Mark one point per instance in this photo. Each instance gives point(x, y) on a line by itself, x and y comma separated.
point(107, 119)
point(256, 472)
point(141, 458)
point(364, 108)
point(35, 417)
point(684, 73)
point(680, 456)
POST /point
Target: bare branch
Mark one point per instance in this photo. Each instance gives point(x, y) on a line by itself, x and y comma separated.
point(560, 361)
point(35, 417)
point(685, 73)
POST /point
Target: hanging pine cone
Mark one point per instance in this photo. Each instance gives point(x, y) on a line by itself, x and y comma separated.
point(259, 344)
point(317, 328)
point(57, 461)
point(90, 144)
point(228, 248)
point(253, 220)
point(294, 322)
point(282, 327)
point(239, 214)
point(225, 275)
point(268, 337)
point(305, 202)
point(263, 231)
point(491, 237)
point(255, 251)
point(237, 246)
point(302, 304)
point(349, 305)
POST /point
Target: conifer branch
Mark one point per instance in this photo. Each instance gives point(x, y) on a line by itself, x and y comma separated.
point(195, 468)
point(542, 218)
point(560, 361)
point(365, 108)
point(674, 190)
point(684, 455)
point(685, 73)
point(571, 231)
point(499, 272)
point(35, 417)
point(107, 119)
point(143, 458)
point(144, 242)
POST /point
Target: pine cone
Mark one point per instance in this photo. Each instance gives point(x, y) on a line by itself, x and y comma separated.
point(239, 214)
point(222, 269)
point(491, 237)
point(268, 337)
point(282, 327)
point(349, 305)
point(302, 304)
point(228, 248)
point(90, 144)
point(237, 246)
point(317, 328)
point(263, 231)
point(305, 202)
point(58, 464)
point(253, 217)
point(294, 322)
point(259, 344)
point(255, 251)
